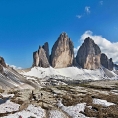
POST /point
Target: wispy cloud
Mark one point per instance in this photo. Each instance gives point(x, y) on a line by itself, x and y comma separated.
point(101, 2)
point(79, 16)
point(14, 67)
point(107, 47)
point(87, 9)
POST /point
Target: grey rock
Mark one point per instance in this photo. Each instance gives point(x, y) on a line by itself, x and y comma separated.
point(43, 61)
point(35, 58)
point(115, 66)
point(2, 64)
point(104, 60)
point(75, 63)
point(110, 64)
point(107, 63)
point(40, 59)
point(88, 55)
point(62, 52)
point(46, 48)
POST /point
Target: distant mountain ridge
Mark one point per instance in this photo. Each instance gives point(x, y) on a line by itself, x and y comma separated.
point(89, 55)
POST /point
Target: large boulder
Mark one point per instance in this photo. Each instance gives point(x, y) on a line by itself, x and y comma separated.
point(107, 63)
point(62, 54)
point(40, 59)
point(88, 55)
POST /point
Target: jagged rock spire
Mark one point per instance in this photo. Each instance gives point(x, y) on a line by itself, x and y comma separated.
point(62, 52)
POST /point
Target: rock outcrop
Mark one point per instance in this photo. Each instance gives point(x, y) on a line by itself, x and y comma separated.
point(35, 58)
point(62, 54)
point(40, 59)
point(110, 64)
point(46, 48)
point(115, 66)
point(107, 63)
point(88, 55)
point(2, 64)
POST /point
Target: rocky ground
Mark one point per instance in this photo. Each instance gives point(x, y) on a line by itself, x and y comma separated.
point(97, 99)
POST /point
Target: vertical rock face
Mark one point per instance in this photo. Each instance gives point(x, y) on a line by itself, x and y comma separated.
point(88, 55)
point(40, 59)
point(104, 60)
point(43, 61)
point(110, 64)
point(62, 52)
point(35, 58)
point(107, 63)
point(46, 48)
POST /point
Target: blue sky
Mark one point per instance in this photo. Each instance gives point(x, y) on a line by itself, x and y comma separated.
point(26, 24)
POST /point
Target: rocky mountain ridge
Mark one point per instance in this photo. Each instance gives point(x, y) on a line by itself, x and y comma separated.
point(89, 55)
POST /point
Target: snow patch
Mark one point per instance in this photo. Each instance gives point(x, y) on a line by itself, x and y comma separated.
point(57, 114)
point(8, 106)
point(33, 111)
point(73, 111)
point(102, 102)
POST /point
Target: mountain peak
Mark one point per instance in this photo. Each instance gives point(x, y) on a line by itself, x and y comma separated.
point(88, 55)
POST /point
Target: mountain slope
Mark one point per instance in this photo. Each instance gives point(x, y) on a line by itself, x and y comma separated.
point(12, 79)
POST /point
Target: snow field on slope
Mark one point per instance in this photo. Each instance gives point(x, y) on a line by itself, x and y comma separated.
point(73, 72)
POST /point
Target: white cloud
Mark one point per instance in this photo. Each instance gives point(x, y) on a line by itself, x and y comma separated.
point(14, 67)
point(87, 9)
point(107, 47)
point(79, 16)
point(101, 2)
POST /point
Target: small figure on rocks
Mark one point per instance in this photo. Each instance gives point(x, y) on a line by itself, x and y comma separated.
point(33, 96)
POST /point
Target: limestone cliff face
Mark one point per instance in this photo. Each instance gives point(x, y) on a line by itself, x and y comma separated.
point(62, 54)
point(46, 48)
point(88, 55)
point(40, 58)
point(104, 60)
point(107, 63)
point(35, 58)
